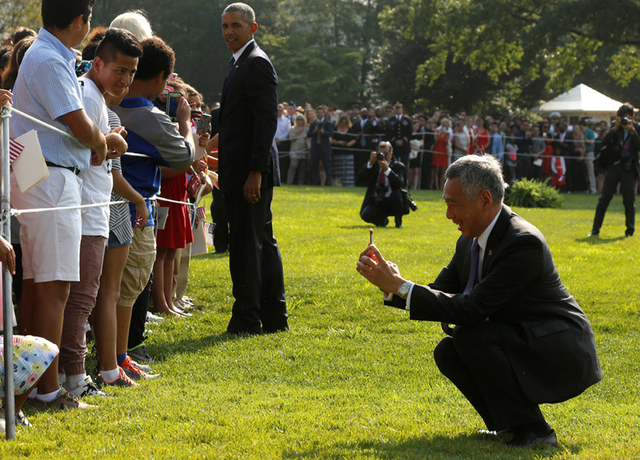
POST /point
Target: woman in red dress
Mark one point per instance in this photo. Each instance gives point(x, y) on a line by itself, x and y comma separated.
point(481, 139)
point(440, 157)
point(175, 235)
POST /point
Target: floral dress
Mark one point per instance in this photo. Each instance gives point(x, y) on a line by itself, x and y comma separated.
point(31, 357)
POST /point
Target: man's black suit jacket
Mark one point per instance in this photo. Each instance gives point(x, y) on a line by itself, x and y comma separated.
point(566, 147)
point(400, 130)
point(617, 136)
point(547, 336)
point(248, 121)
point(322, 139)
point(373, 132)
point(368, 177)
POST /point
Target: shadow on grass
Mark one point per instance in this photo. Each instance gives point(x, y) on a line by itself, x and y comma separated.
point(365, 226)
point(595, 240)
point(213, 255)
point(462, 446)
point(163, 348)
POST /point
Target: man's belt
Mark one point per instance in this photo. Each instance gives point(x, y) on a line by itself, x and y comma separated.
point(73, 169)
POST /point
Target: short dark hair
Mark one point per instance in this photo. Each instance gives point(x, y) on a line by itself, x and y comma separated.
point(157, 59)
point(5, 55)
point(626, 109)
point(118, 41)
point(94, 38)
point(247, 12)
point(22, 32)
point(61, 13)
point(10, 73)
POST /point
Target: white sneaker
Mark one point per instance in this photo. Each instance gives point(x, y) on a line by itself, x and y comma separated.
point(86, 388)
point(151, 318)
point(20, 420)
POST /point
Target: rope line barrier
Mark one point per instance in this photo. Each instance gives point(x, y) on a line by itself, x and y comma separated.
point(17, 212)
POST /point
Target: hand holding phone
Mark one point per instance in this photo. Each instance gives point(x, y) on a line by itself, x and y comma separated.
point(174, 95)
point(371, 254)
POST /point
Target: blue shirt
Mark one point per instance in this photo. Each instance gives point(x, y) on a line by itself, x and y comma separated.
point(47, 89)
point(151, 132)
point(497, 149)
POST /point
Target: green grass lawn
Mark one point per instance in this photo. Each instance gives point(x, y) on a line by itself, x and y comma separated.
point(354, 379)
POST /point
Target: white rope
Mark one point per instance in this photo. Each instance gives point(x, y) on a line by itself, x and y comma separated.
point(59, 131)
point(17, 212)
point(42, 123)
point(171, 201)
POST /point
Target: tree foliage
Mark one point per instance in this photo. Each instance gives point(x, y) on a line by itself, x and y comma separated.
point(488, 56)
point(19, 13)
point(547, 45)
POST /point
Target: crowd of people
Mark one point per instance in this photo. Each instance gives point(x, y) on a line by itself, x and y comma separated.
point(333, 151)
point(137, 166)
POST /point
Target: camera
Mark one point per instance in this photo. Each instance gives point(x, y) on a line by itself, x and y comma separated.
point(624, 121)
point(408, 201)
point(412, 204)
point(380, 156)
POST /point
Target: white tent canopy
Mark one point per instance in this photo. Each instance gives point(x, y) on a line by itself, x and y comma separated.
point(581, 101)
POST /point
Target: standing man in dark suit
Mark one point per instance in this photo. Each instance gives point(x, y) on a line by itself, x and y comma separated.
point(624, 171)
point(520, 339)
point(248, 171)
point(399, 132)
point(321, 132)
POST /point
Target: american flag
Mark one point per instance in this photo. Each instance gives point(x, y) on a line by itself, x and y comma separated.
point(201, 213)
point(15, 149)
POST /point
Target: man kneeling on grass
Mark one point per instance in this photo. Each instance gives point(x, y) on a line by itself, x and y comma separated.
point(520, 339)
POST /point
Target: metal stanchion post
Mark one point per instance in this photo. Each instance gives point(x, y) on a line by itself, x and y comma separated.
point(7, 303)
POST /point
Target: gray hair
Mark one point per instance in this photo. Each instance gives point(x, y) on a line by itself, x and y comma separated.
point(247, 12)
point(135, 22)
point(386, 144)
point(478, 173)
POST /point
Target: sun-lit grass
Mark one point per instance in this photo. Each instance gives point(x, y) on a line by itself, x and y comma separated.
point(354, 379)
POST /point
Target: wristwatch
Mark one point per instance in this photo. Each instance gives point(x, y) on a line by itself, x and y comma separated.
point(403, 290)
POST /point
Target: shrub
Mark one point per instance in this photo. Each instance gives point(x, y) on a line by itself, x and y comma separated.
point(528, 193)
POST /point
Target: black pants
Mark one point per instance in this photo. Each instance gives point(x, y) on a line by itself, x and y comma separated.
point(221, 221)
point(474, 359)
point(320, 152)
point(627, 179)
point(377, 213)
point(139, 316)
point(256, 266)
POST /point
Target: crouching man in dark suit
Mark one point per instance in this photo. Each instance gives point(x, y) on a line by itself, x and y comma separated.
point(384, 177)
point(520, 339)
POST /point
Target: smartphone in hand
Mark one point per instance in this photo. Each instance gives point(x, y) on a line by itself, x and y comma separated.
point(371, 254)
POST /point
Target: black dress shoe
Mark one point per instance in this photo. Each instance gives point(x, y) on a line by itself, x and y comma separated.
point(528, 438)
point(238, 327)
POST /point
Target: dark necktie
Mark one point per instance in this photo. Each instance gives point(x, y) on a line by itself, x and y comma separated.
point(232, 61)
point(381, 187)
point(473, 274)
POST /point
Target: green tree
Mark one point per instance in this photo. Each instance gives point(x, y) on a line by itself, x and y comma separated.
point(527, 50)
point(19, 13)
point(324, 51)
